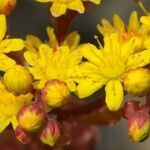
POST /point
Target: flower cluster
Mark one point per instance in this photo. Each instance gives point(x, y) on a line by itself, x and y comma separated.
point(53, 71)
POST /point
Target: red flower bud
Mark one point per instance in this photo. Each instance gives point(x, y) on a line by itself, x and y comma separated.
point(7, 6)
point(22, 136)
point(130, 107)
point(31, 117)
point(51, 133)
point(139, 125)
point(55, 93)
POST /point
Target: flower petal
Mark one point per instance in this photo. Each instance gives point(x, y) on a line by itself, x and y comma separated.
point(106, 27)
point(58, 9)
point(87, 87)
point(4, 122)
point(72, 40)
point(44, 1)
point(52, 37)
point(118, 23)
point(138, 59)
point(76, 5)
point(10, 45)
point(33, 40)
point(3, 27)
point(145, 20)
point(6, 62)
point(94, 1)
point(91, 53)
point(114, 94)
point(14, 122)
point(31, 57)
point(133, 21)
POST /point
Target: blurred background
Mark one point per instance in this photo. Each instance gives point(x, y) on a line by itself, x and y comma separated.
point(31, 17)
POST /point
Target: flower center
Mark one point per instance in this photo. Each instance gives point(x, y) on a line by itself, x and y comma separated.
point(125, 36)
point(112, 66)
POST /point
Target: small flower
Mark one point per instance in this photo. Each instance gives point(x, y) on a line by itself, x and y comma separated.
point(137, 81)
point(108, 66)
point(22, 136)
point(60, 7)
point(7, 6)
point(51, 133)
point(55, 93)
point(7, 45)
point(126, 32)
point(9, 106)
point(47, 64)
point(139, 126)
point(31, 117)
point(18, 80)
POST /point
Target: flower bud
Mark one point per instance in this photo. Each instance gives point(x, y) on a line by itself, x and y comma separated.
point(139, 126)
point(130, 107)
point(51, 133)
point(18, 80)
point(55, 93)
point(7, 6)
point(22, 136)
point(137, 81)
point(31, 117)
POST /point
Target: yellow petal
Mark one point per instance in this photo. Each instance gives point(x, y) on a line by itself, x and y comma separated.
point(72, 40)
point(14, 122)
point(133, 21)
point(138, 59)
point(44, 1)
point(35, 41)
point(129, 47)
point(91, 53)
point(31, 57)
point(118, 23)
point(95, 1)
point(10, 45)
point(45, 51)
point(71, 85)
point(6, 62)
point(58, 9)
point(114, 94)
point(87, 87)
point(4, 123)
point(76, 5)
point(3, 27)
point(106, 27)
point(145, 20)
point(52, 37)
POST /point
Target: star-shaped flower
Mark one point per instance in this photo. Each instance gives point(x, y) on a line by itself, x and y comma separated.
point(108, 66)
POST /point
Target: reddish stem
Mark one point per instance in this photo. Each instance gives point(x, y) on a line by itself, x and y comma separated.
point(62, 23)
point(76, 107)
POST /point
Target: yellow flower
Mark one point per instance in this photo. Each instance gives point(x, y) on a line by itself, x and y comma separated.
point(126, 32)
point(108, 66)
point(18, 80)
point(72, 40)
point(9, 107)
point(7, 45)
point(59, 7)
point(47, 64)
